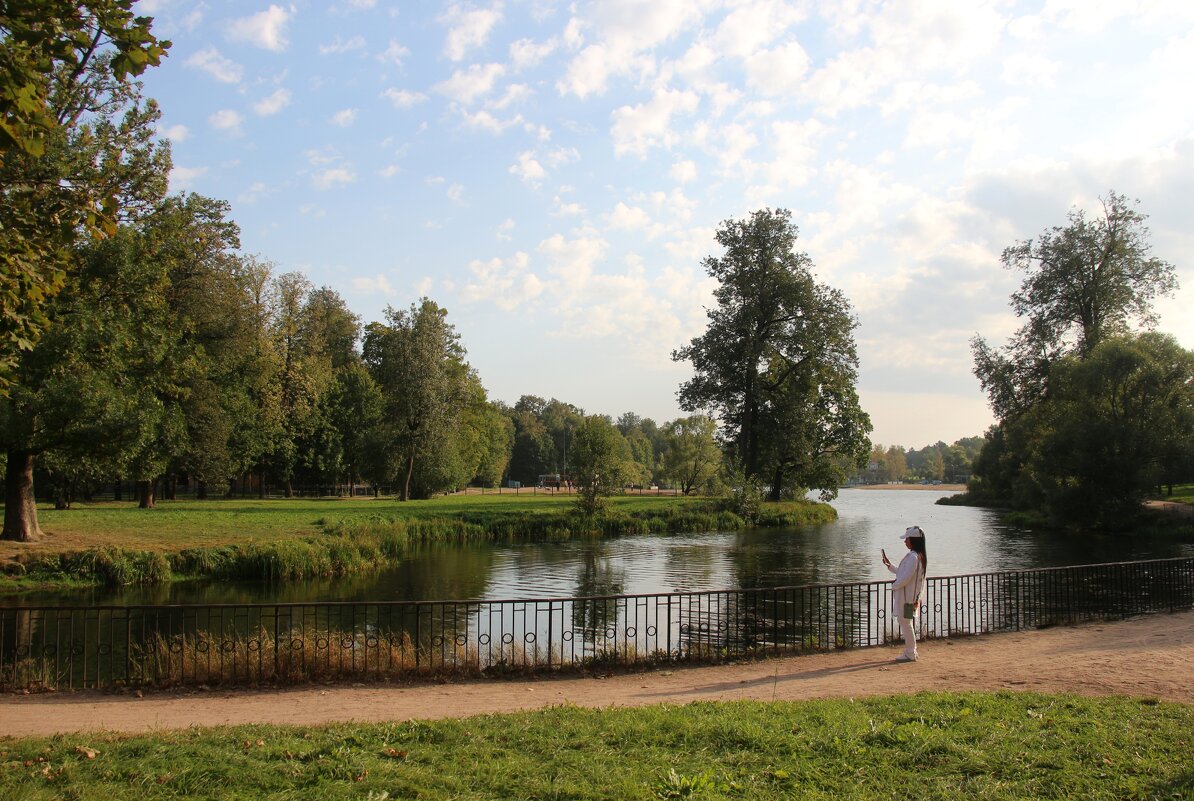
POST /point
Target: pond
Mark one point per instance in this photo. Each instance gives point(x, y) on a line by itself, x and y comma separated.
point(960, 540)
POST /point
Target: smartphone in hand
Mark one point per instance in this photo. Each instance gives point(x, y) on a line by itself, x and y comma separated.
point(884, 554)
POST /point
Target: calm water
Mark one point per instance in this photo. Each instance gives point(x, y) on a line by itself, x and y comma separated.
point(959, 539)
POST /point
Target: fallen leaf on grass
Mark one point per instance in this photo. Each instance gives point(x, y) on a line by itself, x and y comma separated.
point(394, 753)
point(360, 777)
point(90, 753)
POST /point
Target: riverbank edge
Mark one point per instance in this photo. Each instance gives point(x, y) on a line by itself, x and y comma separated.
point(342, 547)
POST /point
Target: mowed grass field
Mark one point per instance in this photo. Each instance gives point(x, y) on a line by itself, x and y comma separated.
point(924, 747)
point(175, 525)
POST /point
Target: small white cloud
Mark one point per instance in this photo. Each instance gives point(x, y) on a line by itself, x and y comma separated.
point(779, 71)
point(628, 218)
point(342, 46)
point(184, 177)
point(394, 54)
point(375, 285)
point(176, 133)
point(503, 230)
point(468, 28)
point(526, 53)
point(401, 98)
point(222, 69)
point(456, 194)
point(423, 288)
point(277, 101)
point(226, 120)
point(683, 172)
point(250, 195)
point(344, 118)
point(515, 93)
point(389, 171)
point(266, 29)
point(487, 122)
point(636, 129)
point(507, 283)
point(467, 85)
point(333, 177)
point(528, 168)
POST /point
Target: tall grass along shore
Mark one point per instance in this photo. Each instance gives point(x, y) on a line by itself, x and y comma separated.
point(925, 746)
point(116, 544)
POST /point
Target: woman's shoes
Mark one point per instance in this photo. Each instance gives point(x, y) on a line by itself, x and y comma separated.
point(902, 658)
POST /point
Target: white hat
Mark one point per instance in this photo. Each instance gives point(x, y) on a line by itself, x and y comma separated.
point(912, 531)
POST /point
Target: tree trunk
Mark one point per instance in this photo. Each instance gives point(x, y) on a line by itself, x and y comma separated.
point(410, 470)
point(118, 491)
point(776, 484)
point(261, 486)
point(289, 489)
point(20, 506)
point(172, 487)
point(145, 494)
point(201, 491)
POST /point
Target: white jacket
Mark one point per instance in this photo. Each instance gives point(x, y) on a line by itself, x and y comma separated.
point(909, 584)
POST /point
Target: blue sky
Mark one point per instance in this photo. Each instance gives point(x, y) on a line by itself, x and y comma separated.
point(553, 173)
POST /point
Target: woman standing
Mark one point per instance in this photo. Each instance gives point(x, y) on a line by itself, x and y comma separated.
point(908, 588)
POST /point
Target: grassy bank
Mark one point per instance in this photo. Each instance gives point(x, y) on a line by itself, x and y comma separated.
point(927, 746)
point(118, 544)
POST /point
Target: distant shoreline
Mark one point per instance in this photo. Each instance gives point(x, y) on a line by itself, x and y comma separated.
point(938, 487)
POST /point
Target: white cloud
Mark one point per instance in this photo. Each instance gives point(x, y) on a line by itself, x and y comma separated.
point(374, 285)
point(515, 93)
point(176, 133)
point(222, 69)
point(402, 98)
point(455, 194)
point(507, 283)
point(255, 191)
point(628, 218)
point(683, 172)
point(751, 27)
point(777, 72)
point(344, 118)
point(526, 53)
point(266, 29)
point(636, 129)
point(333, 177)
point(226, 120)
point(468, 29)
point(503, 230)
point(394, 53)
point(389, 171)
point(342, 46)
point(487, 122)
point(185, 177)
point(273, 103)
point(528, 168)
point(467, 85)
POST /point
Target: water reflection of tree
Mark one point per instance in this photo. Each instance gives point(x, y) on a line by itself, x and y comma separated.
point(597, 575)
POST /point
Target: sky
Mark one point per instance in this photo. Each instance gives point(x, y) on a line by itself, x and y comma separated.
point(553, 174)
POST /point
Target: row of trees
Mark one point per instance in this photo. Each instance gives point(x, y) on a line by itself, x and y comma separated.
point(936, 462)
point(1091, 415)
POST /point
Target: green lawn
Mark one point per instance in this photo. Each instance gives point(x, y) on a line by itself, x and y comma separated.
point(188, 523)
point(1182, 493)
point(926, 746)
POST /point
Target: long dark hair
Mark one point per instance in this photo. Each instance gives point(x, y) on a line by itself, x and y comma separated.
point(917, 544)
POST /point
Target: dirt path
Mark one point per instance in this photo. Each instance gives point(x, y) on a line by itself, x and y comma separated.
point(1148, 656)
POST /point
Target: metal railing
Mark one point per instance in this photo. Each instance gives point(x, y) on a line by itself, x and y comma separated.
point(112, 646)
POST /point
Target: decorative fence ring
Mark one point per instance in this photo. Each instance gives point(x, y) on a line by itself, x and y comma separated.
point(104, 648)
point(227, 646)
point(462, 639)
point(632, 632)
point(49, 649)
point(202, 646)
point(651, 631)
point(483, 639)
point(297, 645)
point(175, 646)
point(610, 633)
point(322, 643)
point(78, 650)
point(253, 644)
point(371, 641)
point(567, 636)
point(508, 638)
point(529, 637)
point(686, 628)
point(437, 641)
point(347, 643)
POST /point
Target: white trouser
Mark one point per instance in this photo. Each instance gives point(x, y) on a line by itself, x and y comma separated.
point(908, 629)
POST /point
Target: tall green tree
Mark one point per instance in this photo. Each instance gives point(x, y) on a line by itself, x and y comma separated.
point(777, 363)
point(692, 457)
point(66, 66)
point(1083, 282)
point(418, 361)
point(600, 462)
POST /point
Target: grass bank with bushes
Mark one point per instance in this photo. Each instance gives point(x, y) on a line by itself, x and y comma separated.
point(118, 544)
point(925, 746)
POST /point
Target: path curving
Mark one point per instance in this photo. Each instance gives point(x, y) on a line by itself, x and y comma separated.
point(1146, 656)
